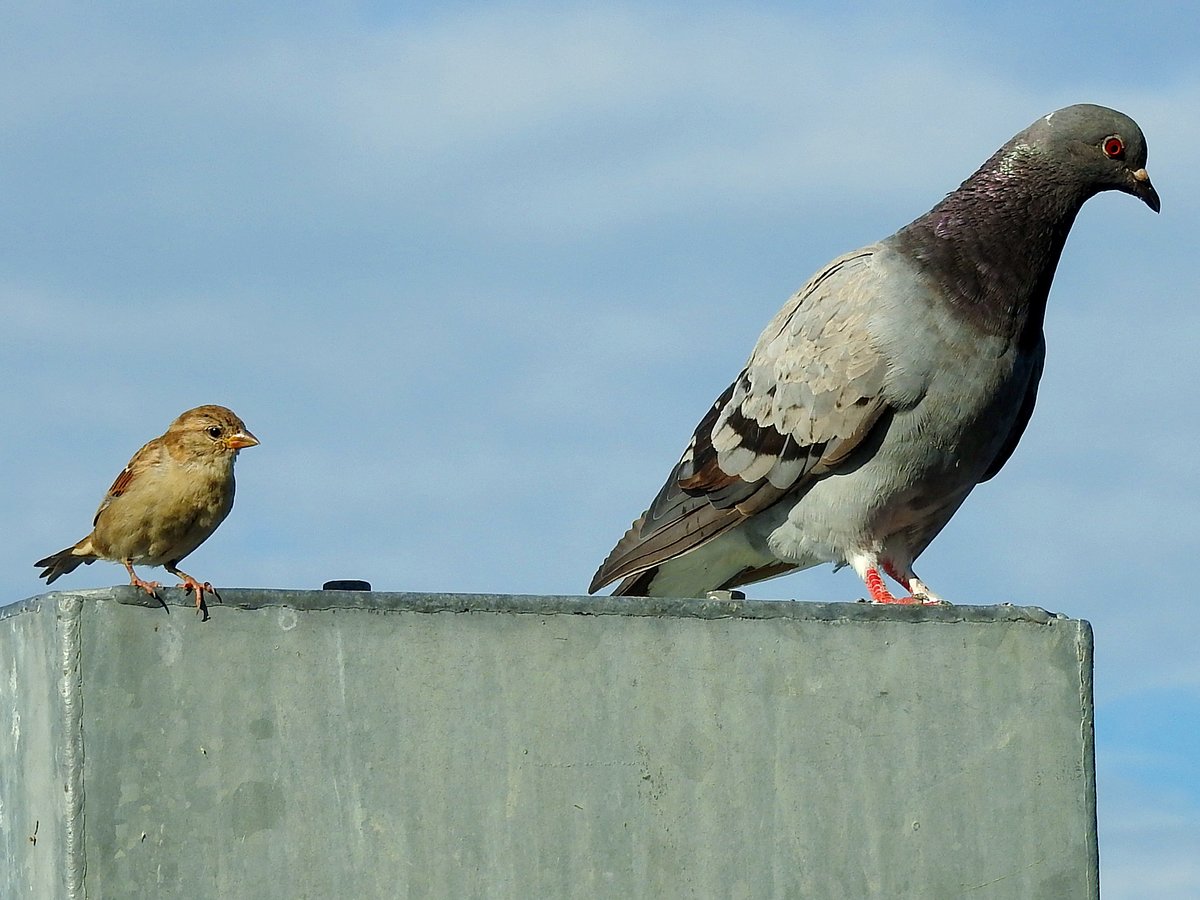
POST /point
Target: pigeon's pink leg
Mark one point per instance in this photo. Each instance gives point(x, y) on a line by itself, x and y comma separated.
point(880, 593)
point(867, 564)
point(907, 577)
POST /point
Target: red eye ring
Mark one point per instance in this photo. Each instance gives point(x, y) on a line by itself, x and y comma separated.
point(1114, 147)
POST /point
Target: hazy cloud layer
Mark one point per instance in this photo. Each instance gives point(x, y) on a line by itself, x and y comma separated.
point(474, 274)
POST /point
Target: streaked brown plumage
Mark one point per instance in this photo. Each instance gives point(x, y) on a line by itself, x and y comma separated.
point(166, 502)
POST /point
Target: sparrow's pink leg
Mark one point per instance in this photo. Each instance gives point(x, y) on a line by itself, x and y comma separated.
point(150, 587)
point(196, 587)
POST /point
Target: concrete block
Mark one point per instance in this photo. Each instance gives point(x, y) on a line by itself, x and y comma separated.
point(341, 744)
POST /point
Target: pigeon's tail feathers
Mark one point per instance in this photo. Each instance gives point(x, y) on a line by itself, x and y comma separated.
point(678, 524)
point(639, 585)
point(66, 561)
point(655, 582)
point(681, 524)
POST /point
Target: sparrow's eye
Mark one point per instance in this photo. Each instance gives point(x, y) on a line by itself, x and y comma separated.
point(214, 431)
point(1114, 147)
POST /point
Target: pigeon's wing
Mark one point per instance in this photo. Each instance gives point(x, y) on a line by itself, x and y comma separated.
point(812, 390)
point(1023, 414)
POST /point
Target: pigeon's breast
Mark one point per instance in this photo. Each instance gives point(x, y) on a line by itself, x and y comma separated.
point(954, 396)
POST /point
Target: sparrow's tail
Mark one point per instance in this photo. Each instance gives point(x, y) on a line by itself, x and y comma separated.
point(65, 561)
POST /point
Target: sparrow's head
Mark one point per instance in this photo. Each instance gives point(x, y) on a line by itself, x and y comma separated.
point(210, 430)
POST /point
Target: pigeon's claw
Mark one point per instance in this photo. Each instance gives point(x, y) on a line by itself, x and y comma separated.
point(869, 569)
point(919, 590)
point(879, 592)
point(924, 595)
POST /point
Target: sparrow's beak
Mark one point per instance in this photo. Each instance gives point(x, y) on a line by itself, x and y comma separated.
point(241, 440)
point(1140, 186)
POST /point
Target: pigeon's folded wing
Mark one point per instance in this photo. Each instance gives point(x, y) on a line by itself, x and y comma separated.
point(1023, 415)
point(811, 392)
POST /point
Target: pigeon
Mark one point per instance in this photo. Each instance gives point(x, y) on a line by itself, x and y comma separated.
point(898, 378)
point(166, 502)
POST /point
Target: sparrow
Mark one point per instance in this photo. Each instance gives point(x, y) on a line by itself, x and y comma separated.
point(166, 502)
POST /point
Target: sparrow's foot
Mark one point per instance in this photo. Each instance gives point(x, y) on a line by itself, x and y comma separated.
point(199, 589)
point(150, 587)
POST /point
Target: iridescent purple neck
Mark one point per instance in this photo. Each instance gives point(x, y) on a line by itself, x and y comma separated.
point(992, 246)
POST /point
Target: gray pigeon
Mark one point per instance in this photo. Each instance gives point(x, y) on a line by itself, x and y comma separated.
point(897, 379)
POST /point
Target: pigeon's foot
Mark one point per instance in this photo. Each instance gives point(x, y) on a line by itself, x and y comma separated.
point(921, 595)
point(924, 595)
point(916, 587)
point(879, 592)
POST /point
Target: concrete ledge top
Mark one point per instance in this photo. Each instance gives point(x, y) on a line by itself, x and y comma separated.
point(384, 602)
point(363, 744)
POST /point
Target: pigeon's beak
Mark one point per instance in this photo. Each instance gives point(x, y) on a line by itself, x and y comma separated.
point(1140, 186)
point(241, 440)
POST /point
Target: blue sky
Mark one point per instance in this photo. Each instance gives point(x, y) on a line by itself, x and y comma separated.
point(473, 273)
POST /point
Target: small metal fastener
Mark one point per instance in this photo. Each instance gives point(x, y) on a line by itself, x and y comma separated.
point(346, 584)
point(725, 595)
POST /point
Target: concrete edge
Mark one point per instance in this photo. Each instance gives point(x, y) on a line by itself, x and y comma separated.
point(69, 615)
point(68, 608)
point(1086, 649)
point(29, 604)
point(385, 602)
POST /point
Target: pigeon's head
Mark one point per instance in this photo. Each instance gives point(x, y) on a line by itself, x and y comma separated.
point(1103, 149)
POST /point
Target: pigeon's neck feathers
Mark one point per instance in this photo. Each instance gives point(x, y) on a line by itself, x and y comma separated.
point(992, 246)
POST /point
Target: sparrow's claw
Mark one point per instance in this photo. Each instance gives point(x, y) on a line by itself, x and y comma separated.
point(150, 587)
point(198, 588)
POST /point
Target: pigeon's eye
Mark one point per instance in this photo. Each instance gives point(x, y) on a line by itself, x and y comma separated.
point(1114, 147)
point(214, 431)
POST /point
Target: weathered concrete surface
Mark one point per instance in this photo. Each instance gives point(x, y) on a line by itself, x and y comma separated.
point(309, 744)
point(38, 795)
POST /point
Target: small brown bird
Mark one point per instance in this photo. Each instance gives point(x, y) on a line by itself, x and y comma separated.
point(173, 494)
